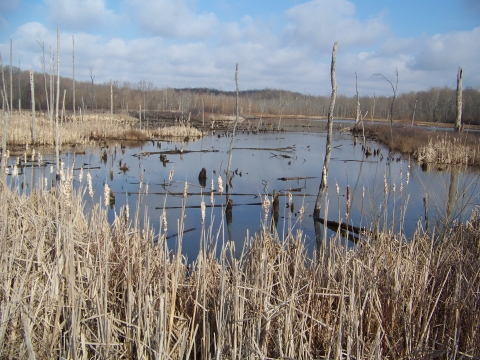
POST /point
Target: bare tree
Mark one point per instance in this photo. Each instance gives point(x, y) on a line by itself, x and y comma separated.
point(11, 77)
point(111, 102)
point(458, 119)
point(414, 109)
point(73, 74)
point(328, 148)
point(92, 79)
point(32, 92)
point(57, 144)
point(392, 102)
point(228, 181)
point(357, 114)
point(5, 117)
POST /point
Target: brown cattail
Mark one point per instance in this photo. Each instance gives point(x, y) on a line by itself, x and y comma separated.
point(89, 183)
point(349, 201)
point(211, 193)
point(220, 185)
point(106, 194)
point(202, 207)
point(185, 190)
point(301, 212)
point(385, 185)
point(337, 188)
point(266, 207)
point(170, 176)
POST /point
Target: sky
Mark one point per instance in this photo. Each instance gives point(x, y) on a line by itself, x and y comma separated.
point(280, 44)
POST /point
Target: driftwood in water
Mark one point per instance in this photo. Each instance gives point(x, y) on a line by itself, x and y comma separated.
point(184, 231)
point(208, 206)
point(296, 178)
point(171, 152)
point(343, 226)
point(286, 149)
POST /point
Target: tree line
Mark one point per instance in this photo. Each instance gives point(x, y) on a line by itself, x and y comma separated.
point(432, 105)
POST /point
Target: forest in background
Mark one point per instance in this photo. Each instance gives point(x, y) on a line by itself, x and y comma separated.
point(432, 105)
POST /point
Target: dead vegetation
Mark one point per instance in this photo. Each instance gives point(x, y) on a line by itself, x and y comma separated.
point(86, 129)
point(73, 285)
point(427, 146)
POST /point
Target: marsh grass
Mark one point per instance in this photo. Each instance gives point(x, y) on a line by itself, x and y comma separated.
point(86, 129)
point(428, 146)
point(74, 285)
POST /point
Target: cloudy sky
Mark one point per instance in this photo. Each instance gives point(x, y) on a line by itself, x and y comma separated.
point(282, 44)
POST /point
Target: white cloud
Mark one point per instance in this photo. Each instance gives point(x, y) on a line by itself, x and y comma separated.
point(444, 51)
point(9, 4)
point(172, 18)
point(80, 15)
point(319, 23)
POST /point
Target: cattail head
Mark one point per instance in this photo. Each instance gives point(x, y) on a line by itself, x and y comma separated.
point(202, 207)
point(393, 189)
point(220, 185)
point(385, 185)
point(106, 194)
point(14, 170)
point(80, 175)
point(170, 176)
point(164, 217)
point(337, 188)
point(290, 198)
point(33, 155)
point(266, 207)
point(89, 183)
point(51, 169)
point(211, 193)
point(185, 190)
point(127, 213)
point(146, 189)
point(363, 191)
point(301, 212)
point(349, 201)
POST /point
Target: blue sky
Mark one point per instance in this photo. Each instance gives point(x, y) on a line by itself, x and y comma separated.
point(282, 44)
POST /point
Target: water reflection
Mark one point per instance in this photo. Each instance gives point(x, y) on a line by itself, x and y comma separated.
point(284, 165)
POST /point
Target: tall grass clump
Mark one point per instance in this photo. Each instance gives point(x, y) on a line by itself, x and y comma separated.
point(85, 129)
point(73, 285)
point(449, 151)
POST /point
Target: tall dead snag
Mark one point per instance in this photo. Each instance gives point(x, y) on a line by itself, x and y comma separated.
point(32, 92)
point(357, 114)
point(111, 102)
point(11, 77)
point(328, 149)
point(5, 117)
point(57, 140)
point(73, 75)
point(458, 120)
point(233, 133)
point(392, 103)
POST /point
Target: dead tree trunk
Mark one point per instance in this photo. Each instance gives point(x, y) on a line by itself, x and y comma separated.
point(57, 144)
point(414, 108)
point(73, 75)
point(357, 115)
point(11, 77)
point(32, 92)
point(458, 120)
point(228, 182)
point(5, 118)
point(328, 149)
point(111, 102)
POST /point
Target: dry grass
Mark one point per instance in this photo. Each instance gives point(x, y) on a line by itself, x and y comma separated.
point(428, 146)
point(86, 130)
point(75, 286)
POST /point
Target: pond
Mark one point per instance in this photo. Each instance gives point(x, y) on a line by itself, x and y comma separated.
point(264, 162)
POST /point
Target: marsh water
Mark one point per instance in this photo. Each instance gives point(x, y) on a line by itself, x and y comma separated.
point(386, 189)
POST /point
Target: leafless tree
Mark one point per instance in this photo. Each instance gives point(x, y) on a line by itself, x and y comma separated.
point(328, 148)
point(458, 119)
point(392, 102)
